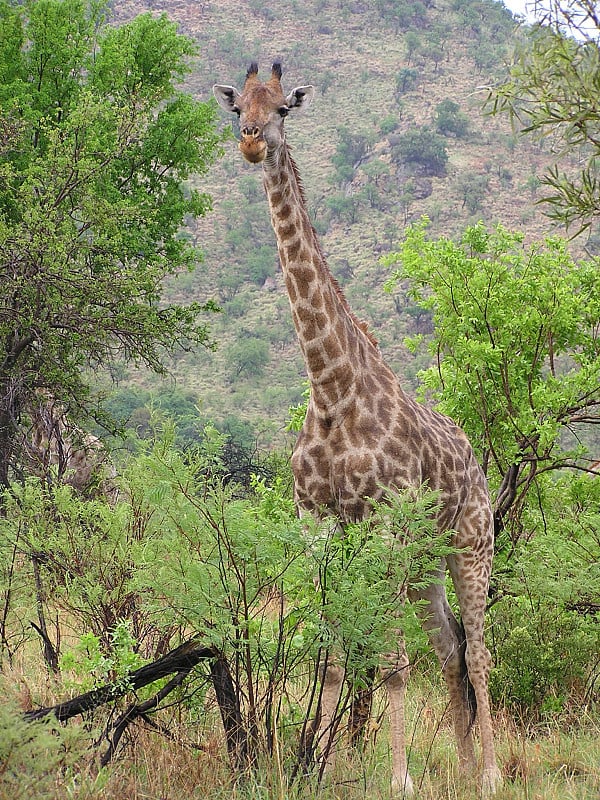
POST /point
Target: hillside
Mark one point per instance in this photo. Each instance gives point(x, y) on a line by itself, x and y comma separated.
point(396, 131)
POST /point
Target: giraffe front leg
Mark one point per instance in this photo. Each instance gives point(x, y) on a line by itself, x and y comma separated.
point(395, 677)
point(332, 682)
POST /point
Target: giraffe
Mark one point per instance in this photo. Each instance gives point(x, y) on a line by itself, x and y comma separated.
point(363, 433)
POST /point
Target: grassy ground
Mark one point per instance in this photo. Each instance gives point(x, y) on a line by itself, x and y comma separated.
point(550, 762)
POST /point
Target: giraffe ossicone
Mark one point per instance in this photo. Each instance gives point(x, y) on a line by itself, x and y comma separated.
point(363, 433)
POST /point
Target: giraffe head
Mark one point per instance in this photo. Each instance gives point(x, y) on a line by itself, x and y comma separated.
point(262, 108)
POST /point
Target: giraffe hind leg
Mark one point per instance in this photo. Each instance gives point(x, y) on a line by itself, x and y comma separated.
point(470, 570)
point(447, 640)
point(469, 689)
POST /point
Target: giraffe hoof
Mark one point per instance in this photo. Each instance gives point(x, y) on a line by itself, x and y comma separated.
point(403, 787)
point(491, 781)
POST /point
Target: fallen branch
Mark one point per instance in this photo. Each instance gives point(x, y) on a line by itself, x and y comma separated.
point(139, 710)
point(182, 659)
point(179, 661)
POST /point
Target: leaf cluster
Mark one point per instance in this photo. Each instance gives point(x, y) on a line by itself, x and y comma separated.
point(34, 756)
point(516, 346)
point(552, 93)
point(544, 624)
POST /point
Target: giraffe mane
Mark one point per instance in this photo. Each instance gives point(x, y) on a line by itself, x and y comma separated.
point(360, 324)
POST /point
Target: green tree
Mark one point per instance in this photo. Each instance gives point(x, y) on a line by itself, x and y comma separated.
point(248, 356)
point(413, 44)
point(552, 92)
point(449, 119)
point(96, 144)
point(548, 602)
point(421, 147)
point(350, 151)
point(472, 188)
point(406, 79)
point(517, 354)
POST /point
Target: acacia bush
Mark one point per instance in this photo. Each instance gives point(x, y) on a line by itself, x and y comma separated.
point(184, 552)
point(545, 630)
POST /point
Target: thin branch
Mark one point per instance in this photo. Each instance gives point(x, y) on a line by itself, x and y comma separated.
point(183, 658)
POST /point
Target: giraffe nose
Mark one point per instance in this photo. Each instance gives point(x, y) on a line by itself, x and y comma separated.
point(252, 131)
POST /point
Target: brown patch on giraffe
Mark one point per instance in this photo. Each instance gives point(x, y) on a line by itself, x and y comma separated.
point(292, 250)
point(303, 274)
point(314, 353)
point(332, 348)
point(316, 300)
point(321, 320)
point(304, 258)
point(309, 329)
point(287, 231)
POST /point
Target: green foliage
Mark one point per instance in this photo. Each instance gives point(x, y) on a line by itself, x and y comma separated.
point(247, 357)
point(413, 45)
point(345, 207)
point(388, 124)
point(423, 148)
point(297, 413)
point(515, 344)
point(93, 666)
point(545, 633)
point(449, 119)
point(406, 79)
point(517, 364)
point(99, 142)
point(472, 188)
point(401, 14)
point(231, 563)
point(35, 756)
point(83, 553)
point(261, 263)
point(351, 149)
point(552, 93)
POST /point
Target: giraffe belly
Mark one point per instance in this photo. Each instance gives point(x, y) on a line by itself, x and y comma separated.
point(336, 481)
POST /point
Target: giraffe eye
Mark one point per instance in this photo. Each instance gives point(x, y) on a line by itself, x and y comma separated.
point(236, 110)
point(283, 111)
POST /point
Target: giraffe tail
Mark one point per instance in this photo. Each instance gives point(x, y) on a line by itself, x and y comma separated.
point(469, 691)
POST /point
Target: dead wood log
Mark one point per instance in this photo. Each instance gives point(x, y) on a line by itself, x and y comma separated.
point(183, 658)
point(179, 661)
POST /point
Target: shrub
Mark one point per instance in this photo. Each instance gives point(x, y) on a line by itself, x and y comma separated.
point(422, 147)
point(545, 631)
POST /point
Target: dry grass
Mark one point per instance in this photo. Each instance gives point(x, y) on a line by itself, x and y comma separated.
point(541, 764)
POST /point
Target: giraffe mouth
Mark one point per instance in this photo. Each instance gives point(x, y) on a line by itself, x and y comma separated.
point(254, 150)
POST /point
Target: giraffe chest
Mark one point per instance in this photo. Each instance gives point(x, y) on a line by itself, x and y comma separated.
point(341, 467)
point(340, 476)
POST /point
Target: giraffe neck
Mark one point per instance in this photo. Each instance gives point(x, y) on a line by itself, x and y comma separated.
point(333, 342)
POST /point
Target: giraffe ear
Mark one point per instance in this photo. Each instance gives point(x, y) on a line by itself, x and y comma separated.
point(227, 97)
point(300, 96)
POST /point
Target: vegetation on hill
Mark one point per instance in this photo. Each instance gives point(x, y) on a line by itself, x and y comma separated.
point(396, 131)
